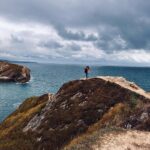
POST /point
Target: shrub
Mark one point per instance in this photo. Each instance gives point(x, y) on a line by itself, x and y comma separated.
point(133, 101)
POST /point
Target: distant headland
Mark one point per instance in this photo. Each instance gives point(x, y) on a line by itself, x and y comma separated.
point(13, 72)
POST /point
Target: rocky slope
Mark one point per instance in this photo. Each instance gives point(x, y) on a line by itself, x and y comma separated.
point(13, 72)
point(79, 109)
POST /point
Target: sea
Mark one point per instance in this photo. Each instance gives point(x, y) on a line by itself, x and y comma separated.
point(48, 78)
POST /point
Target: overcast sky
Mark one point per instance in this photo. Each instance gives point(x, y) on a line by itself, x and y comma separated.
point(110, 32)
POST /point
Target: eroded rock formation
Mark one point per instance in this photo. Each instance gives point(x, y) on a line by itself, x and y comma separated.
point(13, 72)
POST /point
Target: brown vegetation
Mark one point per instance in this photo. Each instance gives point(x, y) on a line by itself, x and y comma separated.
point(11, 136)
point(80, 107)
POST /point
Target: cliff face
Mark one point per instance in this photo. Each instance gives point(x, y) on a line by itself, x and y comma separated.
point(79, 107)
point(13, 72)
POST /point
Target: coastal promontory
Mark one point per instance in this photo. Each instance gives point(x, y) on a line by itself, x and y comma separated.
point(101, 113)
point(13, 72)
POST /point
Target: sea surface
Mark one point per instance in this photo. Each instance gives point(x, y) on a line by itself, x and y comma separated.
point(50, 77)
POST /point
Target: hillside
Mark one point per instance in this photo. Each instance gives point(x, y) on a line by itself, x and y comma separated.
point(80, 109)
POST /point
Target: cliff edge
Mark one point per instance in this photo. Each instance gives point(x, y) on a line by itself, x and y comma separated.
point(80, 109)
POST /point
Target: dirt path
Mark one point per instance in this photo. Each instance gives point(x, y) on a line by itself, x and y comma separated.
point(130, 140)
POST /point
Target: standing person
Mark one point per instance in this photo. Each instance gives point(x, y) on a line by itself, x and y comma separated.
point(86, 71)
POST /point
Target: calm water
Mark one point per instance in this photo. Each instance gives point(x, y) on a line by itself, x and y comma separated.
point(49, 78)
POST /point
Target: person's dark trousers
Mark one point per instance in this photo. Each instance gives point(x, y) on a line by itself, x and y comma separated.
point(86, 75)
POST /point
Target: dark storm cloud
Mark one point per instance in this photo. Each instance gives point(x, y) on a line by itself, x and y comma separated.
point(50, 44)
point(74, 47)
point(138, 36)
point(93, 25)
point(130, 18)
point(78, 36)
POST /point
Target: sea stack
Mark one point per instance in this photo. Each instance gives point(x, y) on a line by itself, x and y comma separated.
point(13, 72)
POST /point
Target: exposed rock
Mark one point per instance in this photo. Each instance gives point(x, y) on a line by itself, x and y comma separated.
point(36, 121)
point(14, 72)
point(78, 95)
point(39, 139)
point(84, 106)
point(128, 126)
point(144, 116)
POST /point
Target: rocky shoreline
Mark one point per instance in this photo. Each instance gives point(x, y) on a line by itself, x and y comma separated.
point(80, 110)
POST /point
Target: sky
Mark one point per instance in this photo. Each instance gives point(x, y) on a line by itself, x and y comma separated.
point(110, 32)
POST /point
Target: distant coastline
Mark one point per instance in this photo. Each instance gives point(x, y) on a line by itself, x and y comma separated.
point(14, 61)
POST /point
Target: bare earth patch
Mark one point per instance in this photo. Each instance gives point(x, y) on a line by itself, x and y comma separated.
point(130, 140)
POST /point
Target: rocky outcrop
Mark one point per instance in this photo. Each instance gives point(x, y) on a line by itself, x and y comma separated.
point(14, 72)
point(80, 107)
